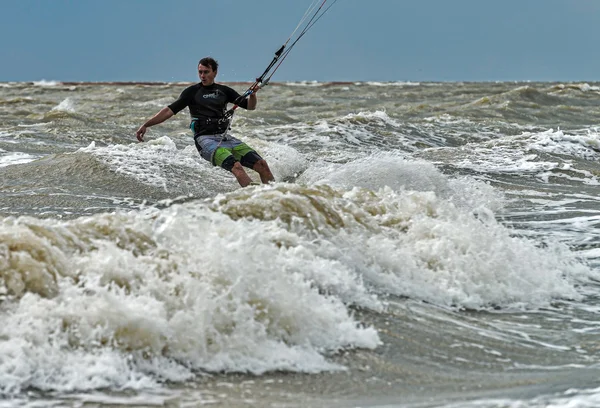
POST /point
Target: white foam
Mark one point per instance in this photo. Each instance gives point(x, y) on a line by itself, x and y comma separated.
point(571, 398)
point(67, 105)
point(338, 135)
point(7, 159)
point(305, 83)
point(45, 83)
point(453, 252)
point(393, 83)
point(35, 125)
point(161, 102)
point(585, 146)
point(148, 162)
point(284, 161)
point(399, 173)
point(519, 155)
point(161, 294)
point(448, 257)
point(377, 116)
point(584, 87)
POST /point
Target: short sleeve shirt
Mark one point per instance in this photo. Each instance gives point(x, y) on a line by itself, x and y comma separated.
point(207, 102)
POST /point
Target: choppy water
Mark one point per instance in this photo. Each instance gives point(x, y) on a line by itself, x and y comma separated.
point(432, 245)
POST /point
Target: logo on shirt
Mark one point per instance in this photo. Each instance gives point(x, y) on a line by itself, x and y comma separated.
point(211, 96)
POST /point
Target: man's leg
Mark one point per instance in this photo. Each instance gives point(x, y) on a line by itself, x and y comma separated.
point(241, 175)
point(262, 168)
point(229, 163)
point(249, 158)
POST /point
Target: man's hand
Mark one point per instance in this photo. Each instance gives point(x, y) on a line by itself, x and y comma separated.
point(252, 99)
point(140, 133)
point(164, 114)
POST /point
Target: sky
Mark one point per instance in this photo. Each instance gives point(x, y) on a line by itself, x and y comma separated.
point(356, 40)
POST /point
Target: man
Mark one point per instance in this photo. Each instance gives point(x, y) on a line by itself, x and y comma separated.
point(207, 102)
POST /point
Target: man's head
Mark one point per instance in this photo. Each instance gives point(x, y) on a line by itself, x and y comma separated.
point(207, 70)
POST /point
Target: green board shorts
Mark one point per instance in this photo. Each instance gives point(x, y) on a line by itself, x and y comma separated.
point(225, 150)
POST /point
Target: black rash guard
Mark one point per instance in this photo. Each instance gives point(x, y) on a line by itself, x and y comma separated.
point(207, 105)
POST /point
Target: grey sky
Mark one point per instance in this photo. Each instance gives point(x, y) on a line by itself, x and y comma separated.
point(357, 40)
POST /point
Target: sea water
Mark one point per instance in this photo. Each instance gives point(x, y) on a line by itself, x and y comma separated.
point(425, 245)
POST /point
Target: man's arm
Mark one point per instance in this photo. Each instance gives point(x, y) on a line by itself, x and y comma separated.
point(252, 101)
point(164, 114)
point(249, 102)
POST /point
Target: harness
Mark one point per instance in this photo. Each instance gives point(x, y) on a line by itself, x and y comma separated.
point(212, 126)
point(220, 130)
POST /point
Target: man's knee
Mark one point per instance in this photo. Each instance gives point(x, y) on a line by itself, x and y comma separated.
point(236, 166)
point(261, 166)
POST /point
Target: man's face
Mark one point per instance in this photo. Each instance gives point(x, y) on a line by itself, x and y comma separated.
point(206, 74)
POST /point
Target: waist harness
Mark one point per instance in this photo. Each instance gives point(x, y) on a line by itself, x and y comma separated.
point(209, 126)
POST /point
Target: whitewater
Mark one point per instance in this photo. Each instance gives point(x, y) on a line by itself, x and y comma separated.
point(424, 245)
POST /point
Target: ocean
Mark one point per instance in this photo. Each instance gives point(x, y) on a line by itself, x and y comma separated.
point(424, 245)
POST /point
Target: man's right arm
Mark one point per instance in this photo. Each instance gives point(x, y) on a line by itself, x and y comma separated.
point(164, 114)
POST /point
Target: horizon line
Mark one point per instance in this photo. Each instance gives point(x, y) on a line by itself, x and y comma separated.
point(155, 83)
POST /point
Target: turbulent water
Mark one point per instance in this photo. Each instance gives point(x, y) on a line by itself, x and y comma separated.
point(425, 245)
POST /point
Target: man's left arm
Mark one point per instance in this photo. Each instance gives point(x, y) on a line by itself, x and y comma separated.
point(247, 103)
point(252, 101)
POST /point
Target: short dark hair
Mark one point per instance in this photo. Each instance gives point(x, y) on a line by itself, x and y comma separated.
point(209, 62)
